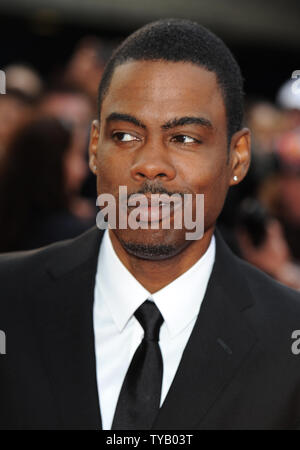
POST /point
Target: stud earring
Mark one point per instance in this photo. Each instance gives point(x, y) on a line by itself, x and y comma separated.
point(235, 178)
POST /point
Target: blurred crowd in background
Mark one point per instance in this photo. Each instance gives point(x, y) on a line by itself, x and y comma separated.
point(47, 192)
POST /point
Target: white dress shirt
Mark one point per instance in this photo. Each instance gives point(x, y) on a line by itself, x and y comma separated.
point(118, 333)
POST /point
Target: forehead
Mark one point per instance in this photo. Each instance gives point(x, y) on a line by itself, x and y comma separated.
point(160, 90)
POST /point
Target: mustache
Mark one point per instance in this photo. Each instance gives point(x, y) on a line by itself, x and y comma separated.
point(154, 188)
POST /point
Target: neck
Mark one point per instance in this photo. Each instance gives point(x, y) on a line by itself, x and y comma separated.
point(155, 274)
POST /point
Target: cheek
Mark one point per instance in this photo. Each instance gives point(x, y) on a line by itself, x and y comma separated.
point(209, 177)
point(112, 171)
point(204, 172)
point(105, 165)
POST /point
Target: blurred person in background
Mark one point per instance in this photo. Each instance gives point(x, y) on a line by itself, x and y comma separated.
point(15, 111)
point(35, 188)
point(262, 242)
point(282, 194)
point(74, 108)
point(288, 98)
point(266, 122)
point(85, 67)
point(23, 88)
point(25, 79)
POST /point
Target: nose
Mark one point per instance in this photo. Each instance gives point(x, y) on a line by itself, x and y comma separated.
point(152, 162)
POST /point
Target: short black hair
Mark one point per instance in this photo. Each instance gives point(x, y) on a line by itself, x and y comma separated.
point(181, 40)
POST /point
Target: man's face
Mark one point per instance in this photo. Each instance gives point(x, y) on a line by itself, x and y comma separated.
point(163, 129)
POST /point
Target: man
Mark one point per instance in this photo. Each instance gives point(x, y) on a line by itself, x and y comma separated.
point(143, 328)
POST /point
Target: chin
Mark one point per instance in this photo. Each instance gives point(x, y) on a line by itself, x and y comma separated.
point(152, 244)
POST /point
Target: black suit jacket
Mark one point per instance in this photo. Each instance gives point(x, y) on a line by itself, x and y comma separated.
point(237, 370)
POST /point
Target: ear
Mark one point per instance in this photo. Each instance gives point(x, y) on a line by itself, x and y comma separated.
point(240, 156)
point(93, 145)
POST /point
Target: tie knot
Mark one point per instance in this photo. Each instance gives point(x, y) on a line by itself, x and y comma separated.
point(150, 319)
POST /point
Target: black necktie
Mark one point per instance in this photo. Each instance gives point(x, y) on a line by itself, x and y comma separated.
point(139, 399)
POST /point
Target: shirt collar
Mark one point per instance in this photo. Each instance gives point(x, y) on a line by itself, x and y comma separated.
point(179, 302)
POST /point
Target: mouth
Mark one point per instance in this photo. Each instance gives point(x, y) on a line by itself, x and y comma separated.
point(154, 208)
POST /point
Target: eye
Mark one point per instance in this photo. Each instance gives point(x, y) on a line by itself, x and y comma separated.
point(185, 139)
point(124, 137)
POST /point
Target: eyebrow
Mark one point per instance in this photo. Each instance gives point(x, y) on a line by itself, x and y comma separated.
point(115, 116)
point(176, 122)
point(187, 120)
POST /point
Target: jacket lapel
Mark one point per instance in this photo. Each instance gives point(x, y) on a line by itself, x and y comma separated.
point(219, 343)
point(64, 313)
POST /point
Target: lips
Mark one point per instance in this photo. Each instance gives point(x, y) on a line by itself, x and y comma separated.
point(154, 213)
point(155, 207)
